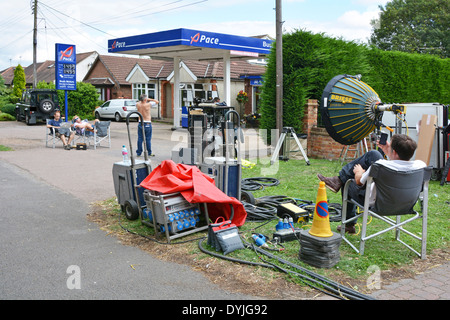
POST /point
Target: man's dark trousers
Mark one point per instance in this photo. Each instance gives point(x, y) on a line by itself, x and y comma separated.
point(356, 192)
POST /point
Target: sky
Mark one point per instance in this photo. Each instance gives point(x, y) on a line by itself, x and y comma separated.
point(89, 24)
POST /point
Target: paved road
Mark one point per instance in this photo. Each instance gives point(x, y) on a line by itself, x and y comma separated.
point(45, 232)
point(47, 244)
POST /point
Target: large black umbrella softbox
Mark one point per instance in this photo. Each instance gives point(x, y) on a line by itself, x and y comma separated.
point(348, 109)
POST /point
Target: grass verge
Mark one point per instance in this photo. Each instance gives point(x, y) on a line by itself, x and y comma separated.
point(299, 181)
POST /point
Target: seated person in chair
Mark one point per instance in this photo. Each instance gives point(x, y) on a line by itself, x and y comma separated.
point(82, 125)
point(62, 133)
point(399, 151)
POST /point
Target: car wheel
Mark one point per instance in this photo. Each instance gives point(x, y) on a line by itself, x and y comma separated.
point(117, 117)
point(131, 210)
point(47, 106)
point(97, 116)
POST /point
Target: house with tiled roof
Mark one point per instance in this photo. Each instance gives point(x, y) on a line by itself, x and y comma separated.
point(45, 71)
point(200, 79)
point(8, 75)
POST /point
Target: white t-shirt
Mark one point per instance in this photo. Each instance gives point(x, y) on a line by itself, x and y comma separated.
point(397, 165)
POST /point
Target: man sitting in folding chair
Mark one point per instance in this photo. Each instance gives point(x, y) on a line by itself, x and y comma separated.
point(357, 173)
point(97, 132)
point(81, 126)
point(58, 132)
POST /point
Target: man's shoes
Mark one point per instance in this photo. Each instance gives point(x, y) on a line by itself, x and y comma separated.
point(152, 155)
point(348, 229)
point(332, 183)
point(67, 147)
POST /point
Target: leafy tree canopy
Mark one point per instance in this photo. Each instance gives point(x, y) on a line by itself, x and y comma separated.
point(414, 26)
point(19, 81)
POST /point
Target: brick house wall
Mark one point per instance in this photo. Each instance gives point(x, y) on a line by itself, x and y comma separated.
point(320, 144)
point(99, 71)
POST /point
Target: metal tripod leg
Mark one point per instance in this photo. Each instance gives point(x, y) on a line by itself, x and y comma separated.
point(278, 147)
point(301, 148)
point(282, 140)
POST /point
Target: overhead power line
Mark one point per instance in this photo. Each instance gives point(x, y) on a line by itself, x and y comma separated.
point(85, 24)
point(128, 14)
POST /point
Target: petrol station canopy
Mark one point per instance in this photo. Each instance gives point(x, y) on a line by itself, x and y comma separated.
point(190, 44)
point(179, 44)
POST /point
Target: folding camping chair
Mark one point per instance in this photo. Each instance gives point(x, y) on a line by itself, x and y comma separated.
point(102, 133)
point(396, 195)
point(50, 134)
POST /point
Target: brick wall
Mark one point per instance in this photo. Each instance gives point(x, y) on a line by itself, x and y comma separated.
point(320, 144)
point(100, 71)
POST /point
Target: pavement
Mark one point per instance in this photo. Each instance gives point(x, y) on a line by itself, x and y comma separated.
point(37, 250)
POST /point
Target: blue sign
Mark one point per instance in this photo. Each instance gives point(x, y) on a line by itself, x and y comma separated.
point(66, 67)
point(256, 82)
point(322, 209)
point(191, 38)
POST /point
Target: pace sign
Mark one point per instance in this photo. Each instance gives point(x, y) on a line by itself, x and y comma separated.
point(66, 67)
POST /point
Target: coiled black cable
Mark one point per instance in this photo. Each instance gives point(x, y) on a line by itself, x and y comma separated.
point(258, 183)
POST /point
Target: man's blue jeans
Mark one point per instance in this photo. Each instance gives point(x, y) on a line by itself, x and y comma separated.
point(148, 138)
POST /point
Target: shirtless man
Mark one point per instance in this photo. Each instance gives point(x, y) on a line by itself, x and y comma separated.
point(144, 107)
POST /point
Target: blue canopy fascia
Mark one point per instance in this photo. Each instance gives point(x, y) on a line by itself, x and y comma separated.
point(190, 44)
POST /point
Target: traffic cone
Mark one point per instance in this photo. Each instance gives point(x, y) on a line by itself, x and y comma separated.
point(321, 219)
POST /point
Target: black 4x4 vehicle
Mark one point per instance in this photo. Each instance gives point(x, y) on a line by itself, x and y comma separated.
point(37, 104)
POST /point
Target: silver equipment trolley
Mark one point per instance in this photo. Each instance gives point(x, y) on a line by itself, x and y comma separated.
point(128, 176)
point(174, 216)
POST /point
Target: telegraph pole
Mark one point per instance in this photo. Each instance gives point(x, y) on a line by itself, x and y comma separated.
point(279, 66)
point(35, 43)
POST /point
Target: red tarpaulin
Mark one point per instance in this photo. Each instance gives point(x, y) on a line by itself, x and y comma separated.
point(195, 187)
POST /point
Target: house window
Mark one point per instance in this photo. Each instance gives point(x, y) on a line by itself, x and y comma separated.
point(144, 88)
point(203, 91)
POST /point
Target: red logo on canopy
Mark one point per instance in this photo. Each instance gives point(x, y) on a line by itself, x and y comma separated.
point(195, 38)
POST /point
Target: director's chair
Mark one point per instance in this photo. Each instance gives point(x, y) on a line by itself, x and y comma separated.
point(396, 195)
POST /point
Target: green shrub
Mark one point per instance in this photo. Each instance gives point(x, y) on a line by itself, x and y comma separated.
point(9, 109)
point(310, 61)
point(81, 102)
point(6, 117)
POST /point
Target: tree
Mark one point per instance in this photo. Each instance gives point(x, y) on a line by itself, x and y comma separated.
point(309, 62)
point(414, 26)
point(19, 82)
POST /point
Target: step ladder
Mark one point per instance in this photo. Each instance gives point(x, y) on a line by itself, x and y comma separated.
point(361, 148)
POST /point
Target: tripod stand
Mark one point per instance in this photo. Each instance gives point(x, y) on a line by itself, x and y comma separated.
point(282, 139)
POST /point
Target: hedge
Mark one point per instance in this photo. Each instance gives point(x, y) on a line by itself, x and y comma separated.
point(310, 61)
